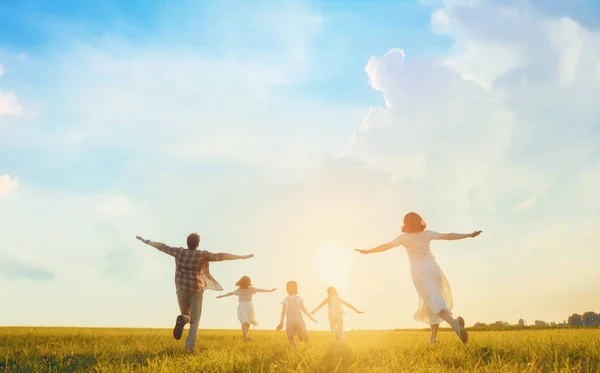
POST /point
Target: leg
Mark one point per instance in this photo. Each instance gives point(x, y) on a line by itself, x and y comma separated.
point(340, 329)
point(195, 313)
point(183, 298)
point(457, 324)
point(302, 333)
point(292, 342)
point(245, 328)
point(434, 331)
point(332, 326)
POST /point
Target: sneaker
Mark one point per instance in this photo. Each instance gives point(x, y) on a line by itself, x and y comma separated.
point(462, 333)
point(179, 324)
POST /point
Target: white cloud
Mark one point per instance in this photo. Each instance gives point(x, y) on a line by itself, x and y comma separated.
point(7, 184)
point(526, 204)
point(9, 104)
point(510, 111)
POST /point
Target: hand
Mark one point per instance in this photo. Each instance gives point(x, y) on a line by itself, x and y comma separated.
point(141, 239)
point(248, 256)
point(274, 289)
point(476, 233)
point(359, 312)
point(313, 319)
point(219, 296)
point(362, 251)
point(279, 327)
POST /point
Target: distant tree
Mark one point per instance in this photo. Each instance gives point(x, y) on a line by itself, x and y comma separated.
point(500, 323)
point(575, 320)
point(479, 324)
point(591, 319)
point(540, 323)
point(521, 322)
point(552, 323)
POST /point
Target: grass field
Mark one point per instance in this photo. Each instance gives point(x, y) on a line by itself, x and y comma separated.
point(154, 350)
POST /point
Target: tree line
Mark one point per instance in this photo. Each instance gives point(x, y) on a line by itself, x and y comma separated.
point(588, 319)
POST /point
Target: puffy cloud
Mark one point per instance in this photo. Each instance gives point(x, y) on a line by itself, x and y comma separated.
point(508, 113)
point(7, 184)
point(9, 104)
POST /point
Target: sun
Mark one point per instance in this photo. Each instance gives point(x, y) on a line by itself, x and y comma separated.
point(333, 262)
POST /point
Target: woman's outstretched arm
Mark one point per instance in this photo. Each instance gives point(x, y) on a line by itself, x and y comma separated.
point(379, 249)
point(458, 236)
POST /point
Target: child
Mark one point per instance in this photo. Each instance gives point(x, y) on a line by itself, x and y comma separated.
point(292, 307)
point(435, 297)
point(336, 320)
point(245, 310)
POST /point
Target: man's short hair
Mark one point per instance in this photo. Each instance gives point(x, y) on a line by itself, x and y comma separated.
point(193, 241)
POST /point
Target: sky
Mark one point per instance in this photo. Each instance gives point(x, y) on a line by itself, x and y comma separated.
point(297, 131)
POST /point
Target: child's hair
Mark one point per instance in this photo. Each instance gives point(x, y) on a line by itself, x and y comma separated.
point(244, 282)
point(413, 223)
point(292, 287)
point(331, 291)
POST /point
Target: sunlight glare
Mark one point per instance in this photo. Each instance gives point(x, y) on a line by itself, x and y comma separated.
point(333, 263)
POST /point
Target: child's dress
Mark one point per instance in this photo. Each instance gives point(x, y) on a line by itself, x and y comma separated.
point(245, 310)
point(429, 280)
point(336, 312)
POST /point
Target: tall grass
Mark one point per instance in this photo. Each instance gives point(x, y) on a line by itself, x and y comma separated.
point(154, 350)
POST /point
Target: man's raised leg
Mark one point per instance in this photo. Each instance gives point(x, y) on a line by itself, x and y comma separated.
point(183, 298)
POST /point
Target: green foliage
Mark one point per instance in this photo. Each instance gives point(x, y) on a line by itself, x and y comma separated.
point(154, 350)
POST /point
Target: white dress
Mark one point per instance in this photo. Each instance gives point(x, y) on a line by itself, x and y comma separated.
point(245, 310)
point(429, 279)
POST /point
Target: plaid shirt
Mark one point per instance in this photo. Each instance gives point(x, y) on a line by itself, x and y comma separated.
point(191, 267)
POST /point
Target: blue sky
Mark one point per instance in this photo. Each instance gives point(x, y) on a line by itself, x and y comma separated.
point(297, 130)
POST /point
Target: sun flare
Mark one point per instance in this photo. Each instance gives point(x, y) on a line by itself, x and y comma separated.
point(333, 263)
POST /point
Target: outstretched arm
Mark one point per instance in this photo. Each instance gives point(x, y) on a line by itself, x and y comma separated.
point(226, 256)
point(265, 291)
point(319, 306)
point(160, 246)
point(380, 248)
point(306, 312)
point(458, 236)
point(350, 306)
point(280, 326)
point(225, 295)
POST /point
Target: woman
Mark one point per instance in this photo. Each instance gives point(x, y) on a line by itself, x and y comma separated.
point(435, 297)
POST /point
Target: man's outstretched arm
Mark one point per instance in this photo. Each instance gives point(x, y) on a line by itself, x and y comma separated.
point(214, 257)
point(227, 256)
point(160, 246)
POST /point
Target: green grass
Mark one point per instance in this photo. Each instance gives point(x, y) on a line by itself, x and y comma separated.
point(154, 350)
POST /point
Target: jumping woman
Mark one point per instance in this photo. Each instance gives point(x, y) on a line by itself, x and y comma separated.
point(435, 297)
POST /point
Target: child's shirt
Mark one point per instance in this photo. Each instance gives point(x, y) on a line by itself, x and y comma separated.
point(245, 295)
point(293, 310)
point(417, 244)
point(334, 304)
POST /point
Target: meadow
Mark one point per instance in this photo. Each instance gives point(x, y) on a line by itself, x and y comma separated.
point(154, 350)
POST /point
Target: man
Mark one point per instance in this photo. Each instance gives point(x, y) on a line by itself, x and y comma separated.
point(192, 277)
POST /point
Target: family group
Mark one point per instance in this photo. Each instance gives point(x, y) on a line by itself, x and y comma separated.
point(192, 278)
